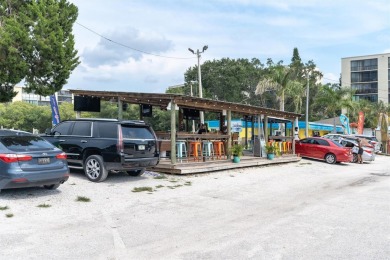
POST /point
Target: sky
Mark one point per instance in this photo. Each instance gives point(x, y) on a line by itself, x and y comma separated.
point(142, 45)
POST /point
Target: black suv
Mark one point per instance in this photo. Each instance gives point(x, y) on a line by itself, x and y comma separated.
point(102, 145)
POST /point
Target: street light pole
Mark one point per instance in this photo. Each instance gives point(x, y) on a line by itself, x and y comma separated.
point(307, 106)
point(199, 77)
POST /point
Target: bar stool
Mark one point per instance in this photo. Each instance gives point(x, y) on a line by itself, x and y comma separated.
point(208, 149)
point(289, 147)
point(278, 146)
point(181, 150)
point(284, 146)
point(195, 150)
point(219, 149)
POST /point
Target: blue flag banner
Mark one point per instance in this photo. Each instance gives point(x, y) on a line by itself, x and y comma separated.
point(55, 113)
point(345, 122)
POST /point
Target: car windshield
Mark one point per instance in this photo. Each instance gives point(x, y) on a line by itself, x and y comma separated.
point(25, 143)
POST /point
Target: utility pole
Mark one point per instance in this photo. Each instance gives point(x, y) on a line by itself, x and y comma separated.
point(307, 106)
point(199, 76)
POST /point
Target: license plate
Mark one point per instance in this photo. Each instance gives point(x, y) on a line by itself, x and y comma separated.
point(43, 160)
point(141, 147)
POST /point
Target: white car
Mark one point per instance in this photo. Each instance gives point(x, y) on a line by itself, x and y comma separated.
point(372, 140)
point(368, 151)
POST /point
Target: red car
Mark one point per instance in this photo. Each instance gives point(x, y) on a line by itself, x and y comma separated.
point(323, 149)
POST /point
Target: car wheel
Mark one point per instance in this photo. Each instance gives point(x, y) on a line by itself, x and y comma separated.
point(52, 186)
point(136, 173)
point(355, 158)
point(94, 168)
point(330, 158)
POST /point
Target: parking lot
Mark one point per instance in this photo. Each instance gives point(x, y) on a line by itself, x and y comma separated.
point(303, 210)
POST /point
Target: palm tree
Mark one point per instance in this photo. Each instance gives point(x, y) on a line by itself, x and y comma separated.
point(333, 100)
point(297, 91)
point(278, 80)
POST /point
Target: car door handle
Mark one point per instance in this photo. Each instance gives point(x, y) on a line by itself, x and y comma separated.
point(83, 141)
point(61, 140)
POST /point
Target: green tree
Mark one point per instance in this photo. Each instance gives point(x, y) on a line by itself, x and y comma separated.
point(278, 80)
point(331, 99)
point(13, 41)
point(297, 91)
point(227, 79)
point(371, 111)
point(42, 53)
point(25, 116)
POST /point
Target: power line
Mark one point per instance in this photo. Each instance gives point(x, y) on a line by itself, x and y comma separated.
point(131, 48)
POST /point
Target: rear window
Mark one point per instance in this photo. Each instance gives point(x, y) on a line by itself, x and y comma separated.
point(337, 143)
point(25, 143)
point(133, 132)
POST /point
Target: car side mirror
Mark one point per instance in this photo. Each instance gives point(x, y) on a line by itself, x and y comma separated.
point(48, 131)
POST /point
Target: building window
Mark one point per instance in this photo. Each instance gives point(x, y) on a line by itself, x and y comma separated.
point(372, 97)
point(365, 76)
point(365, 88)
point(362, 65)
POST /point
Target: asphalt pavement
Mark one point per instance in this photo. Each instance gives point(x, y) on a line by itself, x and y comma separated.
point(303, 210)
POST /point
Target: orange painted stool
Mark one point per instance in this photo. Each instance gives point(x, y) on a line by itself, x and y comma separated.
point(219, 149)
point(195, 150)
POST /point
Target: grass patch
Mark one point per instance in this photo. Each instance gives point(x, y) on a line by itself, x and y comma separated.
point(188, 183)
point(159, 186)
point(4, 207)
point(44, 205)
point(83, 199)
point(140, 189)
point(9, 215)
point(173, 180)
point(160, 177)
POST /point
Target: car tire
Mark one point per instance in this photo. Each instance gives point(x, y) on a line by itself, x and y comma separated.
point(355, 158)
point(136, 173)
point(330, 158)
point(94, 168)
point(52, 186)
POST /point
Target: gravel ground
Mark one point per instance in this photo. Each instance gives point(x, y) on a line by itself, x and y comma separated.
point(302, 210)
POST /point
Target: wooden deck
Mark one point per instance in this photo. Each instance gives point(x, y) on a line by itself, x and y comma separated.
point(184, 167)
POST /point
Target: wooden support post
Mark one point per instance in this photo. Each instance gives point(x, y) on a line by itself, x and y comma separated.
point(266, 129)
point(173, 131)
point(120, 109)
point(229, 127)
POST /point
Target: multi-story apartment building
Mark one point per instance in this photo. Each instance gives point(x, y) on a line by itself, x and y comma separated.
point(61, 96)
point(368, 75)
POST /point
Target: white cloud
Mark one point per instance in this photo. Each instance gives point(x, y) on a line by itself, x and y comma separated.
point(323, 31)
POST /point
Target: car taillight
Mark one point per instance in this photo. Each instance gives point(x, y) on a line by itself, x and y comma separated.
point(119, 145)
point(10, 157)
point(367, 151)
point(19, 180)
point(61, 156)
